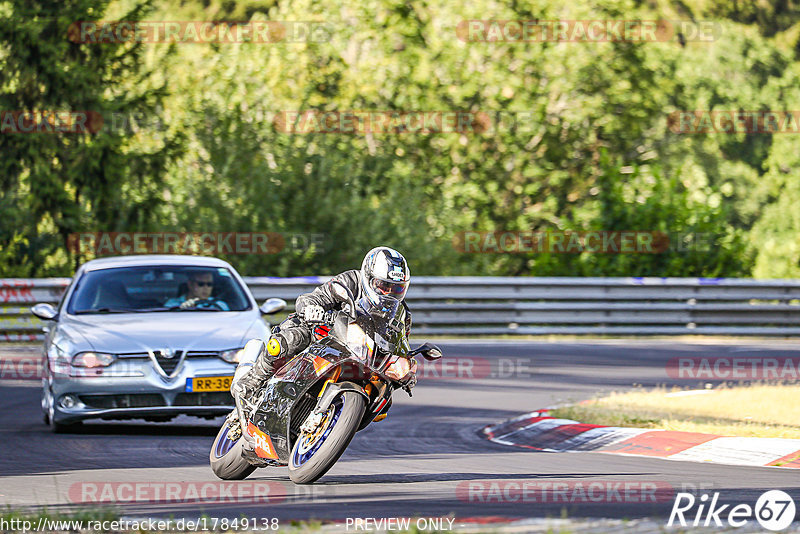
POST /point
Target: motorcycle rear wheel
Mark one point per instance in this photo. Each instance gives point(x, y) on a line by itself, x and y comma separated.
point(226, 457)
point(312, 457)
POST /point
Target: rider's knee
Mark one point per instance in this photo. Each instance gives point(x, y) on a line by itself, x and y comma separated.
point(277, 348)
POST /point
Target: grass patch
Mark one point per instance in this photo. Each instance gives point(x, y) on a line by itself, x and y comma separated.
point(760, 410)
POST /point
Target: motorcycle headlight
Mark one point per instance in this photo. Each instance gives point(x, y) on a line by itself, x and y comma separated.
point(231, 355)
point(93, 359)
point(359, 342)
point(398, 369)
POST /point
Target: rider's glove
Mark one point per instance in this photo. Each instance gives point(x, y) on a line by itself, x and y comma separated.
point(314, 314)
point(188, 303)
point(411, 381)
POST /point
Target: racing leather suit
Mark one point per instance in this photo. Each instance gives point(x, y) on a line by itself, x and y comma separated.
point(294, 335)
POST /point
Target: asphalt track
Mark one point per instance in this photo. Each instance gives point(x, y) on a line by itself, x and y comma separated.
point(418, 462)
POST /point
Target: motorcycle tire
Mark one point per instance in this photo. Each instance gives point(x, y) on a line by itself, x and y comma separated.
point(305, 467)
point(226, 457)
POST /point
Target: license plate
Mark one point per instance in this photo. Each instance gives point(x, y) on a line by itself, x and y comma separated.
point(209, 383)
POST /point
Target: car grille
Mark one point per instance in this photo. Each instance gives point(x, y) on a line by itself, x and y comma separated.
point(202, 354)
point(216, 398)
point(132, 355)
point(189, 354)
point(131, 400)
point(168, 364)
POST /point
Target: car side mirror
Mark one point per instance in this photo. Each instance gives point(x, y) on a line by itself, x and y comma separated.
point(271, 306)
point(428, 351)
point(43, 311)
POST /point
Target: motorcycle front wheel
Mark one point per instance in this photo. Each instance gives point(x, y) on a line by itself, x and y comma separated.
point(226, 457)
point(314, 454)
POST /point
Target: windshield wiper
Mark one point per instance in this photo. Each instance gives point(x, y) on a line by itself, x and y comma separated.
point(105, 310)
point(178, 308)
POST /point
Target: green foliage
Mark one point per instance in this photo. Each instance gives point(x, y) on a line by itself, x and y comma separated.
point(578, 137)
point(54, 184)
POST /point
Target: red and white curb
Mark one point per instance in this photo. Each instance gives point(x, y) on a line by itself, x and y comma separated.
point(538, 431)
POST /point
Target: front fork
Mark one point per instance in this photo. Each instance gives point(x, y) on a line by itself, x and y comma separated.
point(237, 423)
point(317, 415)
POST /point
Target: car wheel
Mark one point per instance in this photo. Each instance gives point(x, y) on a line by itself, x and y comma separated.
point(49, 412)
point(45, 402)
point(47, 394)
point(48, 403)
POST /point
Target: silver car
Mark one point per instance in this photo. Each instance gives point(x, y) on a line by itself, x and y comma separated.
point(147, 337)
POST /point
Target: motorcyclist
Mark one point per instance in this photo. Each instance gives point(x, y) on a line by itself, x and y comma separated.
point(379, 288)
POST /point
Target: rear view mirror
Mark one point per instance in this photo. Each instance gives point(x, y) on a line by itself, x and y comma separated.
point(341, 291)
point(46, 312)
point(344, 294)
point(427, 351)
point(271, 306)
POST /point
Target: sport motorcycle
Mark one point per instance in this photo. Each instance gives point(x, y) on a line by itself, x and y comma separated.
point(305, 416)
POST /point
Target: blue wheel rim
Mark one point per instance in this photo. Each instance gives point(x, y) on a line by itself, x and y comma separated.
point(224, 444)
point(298, 457)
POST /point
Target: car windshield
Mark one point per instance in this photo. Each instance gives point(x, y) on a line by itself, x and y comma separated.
point(158, 288)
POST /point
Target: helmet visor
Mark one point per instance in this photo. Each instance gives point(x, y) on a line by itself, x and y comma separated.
point(390, 289)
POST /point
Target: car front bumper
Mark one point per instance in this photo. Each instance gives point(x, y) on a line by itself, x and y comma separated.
point(134, 388)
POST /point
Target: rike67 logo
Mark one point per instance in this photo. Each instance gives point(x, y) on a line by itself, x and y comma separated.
point(774, 510)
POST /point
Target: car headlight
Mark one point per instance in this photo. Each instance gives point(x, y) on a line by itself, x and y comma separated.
point(93, 359)
point(58, 360)
point(230, 355)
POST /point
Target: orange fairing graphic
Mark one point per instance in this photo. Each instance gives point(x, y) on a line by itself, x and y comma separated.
point(264, 448)
point(321, 365)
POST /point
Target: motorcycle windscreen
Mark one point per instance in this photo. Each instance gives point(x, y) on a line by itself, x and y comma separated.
point(361, 344)
point(374, 339)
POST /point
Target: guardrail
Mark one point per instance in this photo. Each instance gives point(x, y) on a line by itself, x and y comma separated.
point(523, 306)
